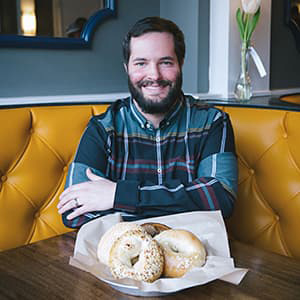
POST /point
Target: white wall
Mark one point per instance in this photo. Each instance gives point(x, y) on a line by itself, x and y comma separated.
point(225, 48)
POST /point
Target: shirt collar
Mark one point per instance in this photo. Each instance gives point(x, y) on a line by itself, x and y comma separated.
point(144, 123)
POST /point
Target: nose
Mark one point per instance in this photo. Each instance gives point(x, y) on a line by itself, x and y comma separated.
point(153, 72)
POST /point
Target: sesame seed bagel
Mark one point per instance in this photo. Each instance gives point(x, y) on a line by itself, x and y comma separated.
point(182, 251)
point(136, 255)
point(110, 236)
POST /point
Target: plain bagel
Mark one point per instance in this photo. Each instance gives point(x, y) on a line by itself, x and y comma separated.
point(182, 251)
point(110, 236)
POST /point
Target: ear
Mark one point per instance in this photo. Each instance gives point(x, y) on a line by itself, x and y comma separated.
point(125, 67)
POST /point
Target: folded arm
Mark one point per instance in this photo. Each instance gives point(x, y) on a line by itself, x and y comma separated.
point(206, 192)
point(213, 188)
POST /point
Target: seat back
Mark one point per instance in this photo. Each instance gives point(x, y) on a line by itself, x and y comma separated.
point(267, 210)
point(37, 145)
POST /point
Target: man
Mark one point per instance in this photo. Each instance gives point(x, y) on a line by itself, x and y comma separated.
point(158, 152)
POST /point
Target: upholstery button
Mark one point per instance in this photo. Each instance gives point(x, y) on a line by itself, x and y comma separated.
point(285, 135)
point(65, 169)
point(277, 218)
point(3, 178)
point(37, 214)
point(31, 131)
point(252, 171)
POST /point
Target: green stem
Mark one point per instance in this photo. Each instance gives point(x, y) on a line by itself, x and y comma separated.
point(246, 29)
point(243, 59)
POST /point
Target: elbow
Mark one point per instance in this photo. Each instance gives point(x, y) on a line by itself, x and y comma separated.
point(227, 206)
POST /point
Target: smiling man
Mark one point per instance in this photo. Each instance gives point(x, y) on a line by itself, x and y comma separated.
point(157, 152)
point(154, 74)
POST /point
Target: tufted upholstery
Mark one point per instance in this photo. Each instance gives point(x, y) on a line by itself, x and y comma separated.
point(38, 143)
point(267, 212)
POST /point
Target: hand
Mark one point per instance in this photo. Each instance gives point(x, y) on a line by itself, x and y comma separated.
point(97, 194)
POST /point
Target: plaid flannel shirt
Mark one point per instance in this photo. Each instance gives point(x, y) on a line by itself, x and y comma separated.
point(186, 164)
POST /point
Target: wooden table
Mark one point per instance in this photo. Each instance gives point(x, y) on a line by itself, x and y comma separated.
point(42, 271)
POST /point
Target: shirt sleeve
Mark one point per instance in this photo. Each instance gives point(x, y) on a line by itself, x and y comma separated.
point(214, 188)
point(92, 152)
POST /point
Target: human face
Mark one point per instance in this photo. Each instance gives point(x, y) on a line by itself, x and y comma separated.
point(154, 74)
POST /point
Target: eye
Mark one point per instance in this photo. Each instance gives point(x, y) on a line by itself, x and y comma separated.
point(140, 64)
point(167, 63)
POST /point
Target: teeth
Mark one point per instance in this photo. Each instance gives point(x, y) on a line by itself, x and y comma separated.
point(153, 86)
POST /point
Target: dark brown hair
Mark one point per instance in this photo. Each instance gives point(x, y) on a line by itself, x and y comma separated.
point(155, 24)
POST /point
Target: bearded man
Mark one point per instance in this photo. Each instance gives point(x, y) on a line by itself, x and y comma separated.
point(157, 152)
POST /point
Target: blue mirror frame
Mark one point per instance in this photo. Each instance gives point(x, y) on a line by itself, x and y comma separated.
point(292, 22)
point(84, 42)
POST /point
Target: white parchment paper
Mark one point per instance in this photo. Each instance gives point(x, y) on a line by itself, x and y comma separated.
point(209, 227)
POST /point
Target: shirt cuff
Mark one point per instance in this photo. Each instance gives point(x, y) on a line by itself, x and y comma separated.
point(127, 196)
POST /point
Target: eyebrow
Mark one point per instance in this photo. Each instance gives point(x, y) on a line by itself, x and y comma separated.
point(167, 58)
point(162, 58)
point(139, 59)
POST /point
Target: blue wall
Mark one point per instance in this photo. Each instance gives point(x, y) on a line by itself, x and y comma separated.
point(45, 72)
point(42, 72)
point(36, 72)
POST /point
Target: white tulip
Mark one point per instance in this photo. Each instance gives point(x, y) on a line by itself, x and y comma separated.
point(250, 6)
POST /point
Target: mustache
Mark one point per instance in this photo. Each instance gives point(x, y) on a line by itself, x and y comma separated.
point(161, 82)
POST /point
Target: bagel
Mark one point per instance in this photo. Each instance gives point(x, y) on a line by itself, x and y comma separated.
point(110, 236)
point(136, 255)
point(154, 228)
point(182, 251)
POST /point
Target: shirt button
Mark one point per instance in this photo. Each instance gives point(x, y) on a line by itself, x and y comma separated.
point(157, 138)
point(159, 170)
point(148, 125)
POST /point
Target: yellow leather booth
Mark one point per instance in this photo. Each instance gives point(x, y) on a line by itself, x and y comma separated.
point(38, 143)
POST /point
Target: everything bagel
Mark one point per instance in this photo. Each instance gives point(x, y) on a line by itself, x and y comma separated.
point(137, 256)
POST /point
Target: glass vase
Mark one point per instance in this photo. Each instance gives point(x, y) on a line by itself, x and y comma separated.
point(243, 88)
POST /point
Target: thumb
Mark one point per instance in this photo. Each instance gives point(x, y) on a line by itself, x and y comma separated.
point(90, 175)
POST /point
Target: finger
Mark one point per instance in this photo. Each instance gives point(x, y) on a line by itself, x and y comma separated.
point(67, 206)
point(91, 175)
point(72, 188)
point(77, 212)
point(67, 198)
point(64, 193)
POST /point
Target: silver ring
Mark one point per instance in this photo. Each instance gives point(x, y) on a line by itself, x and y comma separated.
point(76, 202)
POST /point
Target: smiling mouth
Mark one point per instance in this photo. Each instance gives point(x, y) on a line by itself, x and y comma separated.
point(154, 84)
point(154, 90)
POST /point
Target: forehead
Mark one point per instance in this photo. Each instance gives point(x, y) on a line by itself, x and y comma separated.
point(153, 44)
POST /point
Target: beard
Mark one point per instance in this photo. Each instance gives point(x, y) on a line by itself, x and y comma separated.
point(156, 106)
